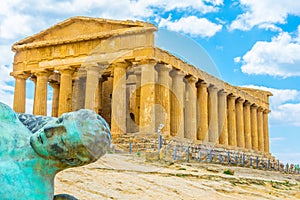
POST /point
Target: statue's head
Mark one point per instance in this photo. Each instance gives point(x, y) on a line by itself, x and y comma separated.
point(75, 139)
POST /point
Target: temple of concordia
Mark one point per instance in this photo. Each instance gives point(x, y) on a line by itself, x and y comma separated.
point(114, 68)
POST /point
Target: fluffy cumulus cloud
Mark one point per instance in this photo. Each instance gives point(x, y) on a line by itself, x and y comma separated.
point(19, 19)
point(192, 25)
point(279, 57)
point(6, 88)
point(285, 106)
point(264, 13)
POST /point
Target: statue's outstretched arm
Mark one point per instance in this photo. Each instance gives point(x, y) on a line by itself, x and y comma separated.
point(33, 122)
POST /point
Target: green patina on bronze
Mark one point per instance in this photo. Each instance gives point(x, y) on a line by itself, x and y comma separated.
point(29, 161)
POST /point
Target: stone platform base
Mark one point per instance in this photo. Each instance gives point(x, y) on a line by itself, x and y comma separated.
point(182, 150)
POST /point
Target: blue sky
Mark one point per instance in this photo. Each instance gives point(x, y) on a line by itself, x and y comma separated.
point(252, 43)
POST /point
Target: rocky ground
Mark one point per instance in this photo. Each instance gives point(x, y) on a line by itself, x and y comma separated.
point(117, 176)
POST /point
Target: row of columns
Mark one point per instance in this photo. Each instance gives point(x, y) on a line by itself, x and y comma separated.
point(193, 109)
point(62, 90)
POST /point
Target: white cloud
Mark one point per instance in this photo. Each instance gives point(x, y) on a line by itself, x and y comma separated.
point(271, 27)
point(122, 9)
point(16, 25)
point(215, 2)
point(19, 19)
point(6, 55)
point(237, 59)
point(298, 35)
point(288, 113)
point(264, 12)
point(22, 18)
point(284, 105)
point(6, 90)
point(203, 6)
point(279, 57)
point(192, 25)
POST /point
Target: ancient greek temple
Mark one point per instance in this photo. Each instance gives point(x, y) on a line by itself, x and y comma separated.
point(114, 68)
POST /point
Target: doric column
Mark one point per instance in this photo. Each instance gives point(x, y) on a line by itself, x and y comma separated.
point(147, 98)
point(65, 91)
point(240, 123)
point(260, 129)
point(79, 89)
point(254, 136)
point(213, 129)
point(118, 104)
point(55, 98)
point(40, 104)
point(190, 109)
point(177, 104)
point(222, 109)
point(99, 94)
point(92, 81)
point(231, 120)
point(202, 120)
point(20, 92)
point(266, 130)
point(33, 79)
point(130, 102)
point(163, 97)
point(247, 125)
point(137, 73)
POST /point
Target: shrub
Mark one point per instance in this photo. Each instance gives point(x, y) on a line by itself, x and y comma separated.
point(229, 172)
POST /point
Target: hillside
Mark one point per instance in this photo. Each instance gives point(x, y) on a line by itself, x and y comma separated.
point(118, 176)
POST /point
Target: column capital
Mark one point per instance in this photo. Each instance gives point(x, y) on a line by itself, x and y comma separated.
point(240, 100)
point(247, 103)
point(266, 111)
point(192, 79)
point(222, 92)
point(254, 106)
point(41, 72)
point(120, 64)
point(212, 87)
point(232, 96)
point(147, 61)
point(80, 73)
point(20, 75)
point(65, 70)
point(92, 68)
point(176, 72)
point(160, 67)
point(201, 83)
point(260, 109)
point(89, 65)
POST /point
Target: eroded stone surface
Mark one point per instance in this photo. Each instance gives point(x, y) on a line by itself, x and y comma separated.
point(130, 177)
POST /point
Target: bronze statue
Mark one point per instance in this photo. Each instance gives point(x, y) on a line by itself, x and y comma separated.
point(34, 149)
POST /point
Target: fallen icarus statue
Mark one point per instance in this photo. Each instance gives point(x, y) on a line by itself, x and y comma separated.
point(34, 149)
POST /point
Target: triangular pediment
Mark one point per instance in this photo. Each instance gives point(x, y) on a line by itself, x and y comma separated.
point(78, 27)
